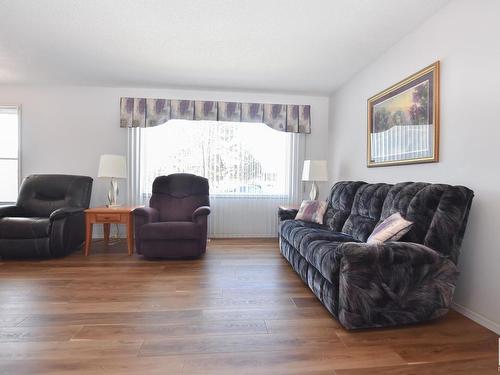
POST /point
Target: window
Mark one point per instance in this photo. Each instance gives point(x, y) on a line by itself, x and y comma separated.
point(9, 153)
point(252, 169)
point(239, 159)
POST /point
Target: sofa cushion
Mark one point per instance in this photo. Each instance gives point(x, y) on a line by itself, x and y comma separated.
point(316, 243)
point(340, 203)
point(294, 230)
point(366, 210)
point(313, 235)
point(170, 230)
point(324, 255)
point(24, 227)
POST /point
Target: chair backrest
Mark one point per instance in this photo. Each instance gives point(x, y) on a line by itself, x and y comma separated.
point(176, 196)
point(42, 194)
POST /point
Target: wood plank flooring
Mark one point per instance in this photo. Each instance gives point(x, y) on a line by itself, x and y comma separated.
point(239, 309)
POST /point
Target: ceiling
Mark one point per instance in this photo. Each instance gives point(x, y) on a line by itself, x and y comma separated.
point(306, 46)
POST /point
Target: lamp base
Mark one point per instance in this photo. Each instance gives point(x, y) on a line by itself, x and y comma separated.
point(113, 205)
point(313, 195)
point(113, 193)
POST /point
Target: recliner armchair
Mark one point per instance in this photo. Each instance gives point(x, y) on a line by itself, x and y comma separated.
point(175, 223)
point(48, 219)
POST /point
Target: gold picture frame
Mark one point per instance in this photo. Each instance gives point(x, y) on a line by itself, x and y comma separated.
point(403, 121)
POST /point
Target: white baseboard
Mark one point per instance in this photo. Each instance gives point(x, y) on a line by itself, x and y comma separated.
point(478, 318)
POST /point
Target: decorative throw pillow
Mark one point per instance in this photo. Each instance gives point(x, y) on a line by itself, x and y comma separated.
point(312, 211)
point(391, 229)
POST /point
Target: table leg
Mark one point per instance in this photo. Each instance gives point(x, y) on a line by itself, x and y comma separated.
point(106, 230)
point(88, 236)
point(130, 234)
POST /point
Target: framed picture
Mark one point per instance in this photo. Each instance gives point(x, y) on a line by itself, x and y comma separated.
point(403, 121)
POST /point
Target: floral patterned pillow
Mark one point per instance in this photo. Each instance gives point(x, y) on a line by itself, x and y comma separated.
point(391, 229)
point(312, 211)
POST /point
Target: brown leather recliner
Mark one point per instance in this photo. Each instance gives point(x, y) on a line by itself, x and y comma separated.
point(175, 223)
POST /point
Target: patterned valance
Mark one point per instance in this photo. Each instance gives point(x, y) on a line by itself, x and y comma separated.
point(141, 112)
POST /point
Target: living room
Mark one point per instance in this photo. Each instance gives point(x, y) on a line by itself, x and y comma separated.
point(252, 110)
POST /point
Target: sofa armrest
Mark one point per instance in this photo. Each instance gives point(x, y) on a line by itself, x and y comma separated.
point(11, 211)
point(393, 283)
point(64, 212)
point(200, 212)
point(146, 214)
point(287, 213)
point(389, 253)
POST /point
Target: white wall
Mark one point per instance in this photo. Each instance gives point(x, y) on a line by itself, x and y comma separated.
point(465, 37)
point(66, 129)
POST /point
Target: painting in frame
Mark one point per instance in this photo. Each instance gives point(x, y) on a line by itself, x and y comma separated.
point(403, 121)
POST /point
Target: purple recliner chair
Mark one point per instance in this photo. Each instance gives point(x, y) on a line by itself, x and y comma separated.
point(175, 223)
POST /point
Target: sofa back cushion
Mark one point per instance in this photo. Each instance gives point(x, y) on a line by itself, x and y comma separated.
point(178, 195)
point(439, 214)
point(42, 194)
point(340, 203)
point(366, 210)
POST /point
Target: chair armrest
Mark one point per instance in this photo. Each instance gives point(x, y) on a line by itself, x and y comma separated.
point(393, 283)
point(147, 214)
point(199, 212)
point(143, 216)
point(64, 212)
point(11, 211)
point(67, 230)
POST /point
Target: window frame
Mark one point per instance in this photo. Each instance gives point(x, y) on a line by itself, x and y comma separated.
point(19, 143)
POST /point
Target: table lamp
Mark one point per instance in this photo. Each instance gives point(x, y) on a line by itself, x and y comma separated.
point(112, 166)
point(314, 170)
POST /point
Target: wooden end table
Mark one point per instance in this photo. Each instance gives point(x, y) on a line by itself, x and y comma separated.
point(107, 216)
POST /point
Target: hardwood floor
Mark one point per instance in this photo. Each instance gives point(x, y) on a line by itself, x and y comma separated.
point(240, 309)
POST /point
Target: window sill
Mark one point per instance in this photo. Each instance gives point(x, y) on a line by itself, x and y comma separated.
point(145, 197)
point(250, 196)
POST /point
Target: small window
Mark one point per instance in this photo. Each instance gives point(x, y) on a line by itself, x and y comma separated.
point(9, 153)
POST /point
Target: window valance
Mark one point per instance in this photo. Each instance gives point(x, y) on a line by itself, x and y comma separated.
point(142, 112)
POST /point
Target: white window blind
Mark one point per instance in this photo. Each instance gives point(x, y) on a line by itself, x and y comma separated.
point(9, 153)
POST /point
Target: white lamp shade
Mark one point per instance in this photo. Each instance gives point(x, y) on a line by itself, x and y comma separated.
point(112, 166)
point(314, 170)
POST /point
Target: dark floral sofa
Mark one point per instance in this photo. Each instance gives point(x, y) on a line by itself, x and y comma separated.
point(377, 285)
